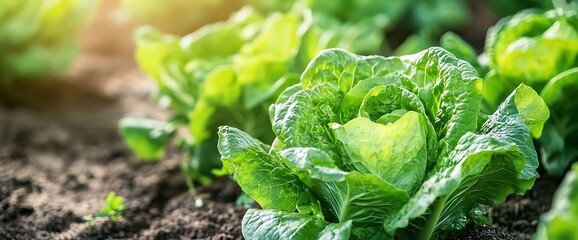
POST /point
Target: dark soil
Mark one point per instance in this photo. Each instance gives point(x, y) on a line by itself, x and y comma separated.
point(60, 155)
point(518, 217)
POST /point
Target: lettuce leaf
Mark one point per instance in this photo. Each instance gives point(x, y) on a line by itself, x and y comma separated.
point(271, 224)
point(559, 141)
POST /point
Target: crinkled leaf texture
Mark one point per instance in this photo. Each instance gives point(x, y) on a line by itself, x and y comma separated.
point(539, 49)
point(560, 221)
point(462, 50)
point(390, 145)
point(272, 224)
point(261, 175)
point(483, 169)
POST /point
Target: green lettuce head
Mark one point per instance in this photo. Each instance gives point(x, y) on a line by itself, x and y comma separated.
point(382, 148)
point(540, 49)
point(38, 36)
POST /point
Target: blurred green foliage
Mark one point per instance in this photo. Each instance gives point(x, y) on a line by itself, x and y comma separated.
point(38, 36)
point(506, 8)
point(540, 49)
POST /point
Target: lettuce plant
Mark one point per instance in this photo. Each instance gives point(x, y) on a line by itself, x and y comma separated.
point(228, 73)
point(560, 221)
point(113, 208)
point(377, 148)
point(38, 36)
point(540, 49)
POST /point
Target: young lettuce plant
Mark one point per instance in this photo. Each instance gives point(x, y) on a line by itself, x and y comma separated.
point(540, 49)
point(228, 73)
point(560, 221)
point(381, 148)
point(113, 208)
point(38, 37)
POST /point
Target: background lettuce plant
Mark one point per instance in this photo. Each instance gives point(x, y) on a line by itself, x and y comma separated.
point(560, 221)
point(377, 148)
point(228, 73)
point(113, 207)
point(540, 49)
point(38, 37)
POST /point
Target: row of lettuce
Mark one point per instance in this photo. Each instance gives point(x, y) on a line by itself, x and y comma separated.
point(258, 53)
point(334, 145)
point(409, 147)
point(39, 37)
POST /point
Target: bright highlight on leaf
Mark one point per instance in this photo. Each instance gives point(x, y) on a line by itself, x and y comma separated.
point(384, 148)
